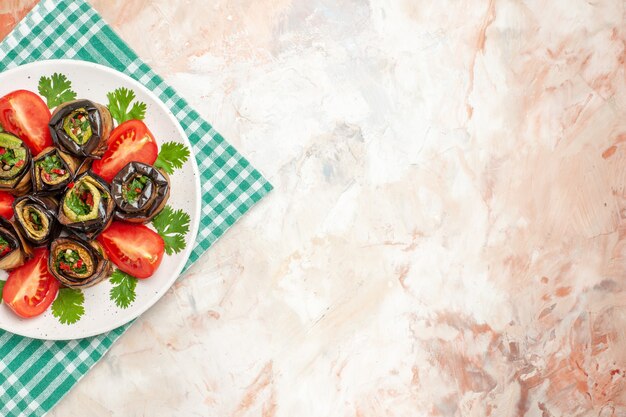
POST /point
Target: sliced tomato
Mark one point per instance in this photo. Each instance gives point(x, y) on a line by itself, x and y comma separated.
point(31, 288)
point(134, 248)
point(6, 205)
point(24, 114)
point(130, 141)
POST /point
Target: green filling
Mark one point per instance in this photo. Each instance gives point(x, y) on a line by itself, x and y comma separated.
point(132, 191)
point(8, 156)
point(51, 169)
point(81, 202)
point(69, 259)
point(4, 246)
point(51, 162)
point(35, 219)
point(77, 204)
point(12, 161)
point(77, 126)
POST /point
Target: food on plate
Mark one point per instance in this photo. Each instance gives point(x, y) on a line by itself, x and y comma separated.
point(130, 141)
point(31, 288)
point(14, 250)
point(52, 170)
point(15, 162)
point(81, 128)
point(6, 205)
point(77, 263)
point(35, 215)
point(140, 192)
point(64, 178)
point(25, 115)
point(86, 206)
point(133, 248)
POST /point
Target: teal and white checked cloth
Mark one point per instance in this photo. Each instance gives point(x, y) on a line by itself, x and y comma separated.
point(34, 374)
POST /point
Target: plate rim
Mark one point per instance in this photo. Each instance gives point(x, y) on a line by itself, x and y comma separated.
point(194, 226)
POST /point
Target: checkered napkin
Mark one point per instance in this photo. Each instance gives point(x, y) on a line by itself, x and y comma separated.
point(34, 374)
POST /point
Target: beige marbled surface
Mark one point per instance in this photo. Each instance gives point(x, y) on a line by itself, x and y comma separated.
point(447, 236)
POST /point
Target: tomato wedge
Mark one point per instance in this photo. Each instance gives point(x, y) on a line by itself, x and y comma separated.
point(31, 288)
point(24, 114)
point(134, 248)
point(130, 141)
point(6, 205)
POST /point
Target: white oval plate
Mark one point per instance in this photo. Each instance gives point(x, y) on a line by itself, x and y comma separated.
point(92, 81)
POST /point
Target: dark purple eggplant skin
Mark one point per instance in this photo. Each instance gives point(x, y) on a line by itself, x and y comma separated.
point(7, 230)
point(20, 250)
point(101, 126)
point(152, 199)
point(20, 184)
point(102, 265)
point(90, 229)
point(49, 206)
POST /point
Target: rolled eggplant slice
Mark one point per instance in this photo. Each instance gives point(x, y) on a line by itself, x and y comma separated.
point(78, 264)
point(140, 192)
point(15, 163)
point(36, 217)
point(81, 128)
point(87, 206)
point(52, 170)
point(14, 251)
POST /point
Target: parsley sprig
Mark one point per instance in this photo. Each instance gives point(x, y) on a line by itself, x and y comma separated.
point(119, 103)
point(1, 288)
point(68, 306)
point(57, 89)
point(123, 291)
point(172, 225)
point(172, 156)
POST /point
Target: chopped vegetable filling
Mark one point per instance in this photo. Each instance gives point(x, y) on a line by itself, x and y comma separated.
point(52, 168)
point(5, 247)
point(77, 126)
point(69, 260)
point(132, 190)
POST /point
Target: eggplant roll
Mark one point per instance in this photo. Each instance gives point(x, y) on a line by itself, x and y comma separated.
point(81, 128)
point(76, 263)
point(15, 163)
point(140, 192)
point(36, 217)
point(52, 170)
point(14, 251)
point(87, 206)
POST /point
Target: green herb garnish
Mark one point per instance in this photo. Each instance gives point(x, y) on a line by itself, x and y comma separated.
point(57, 89)
point(119, 103)
point(51, 162)
point(123, 291)
point(70, 260)
point(172, 225)
point(132, 191)
point(4, 246)
point(78, 127)
point(172, 155)
point(8, 156)
point(35, 219)
point(52, 166)
point(68, 306)
point(74, 203)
